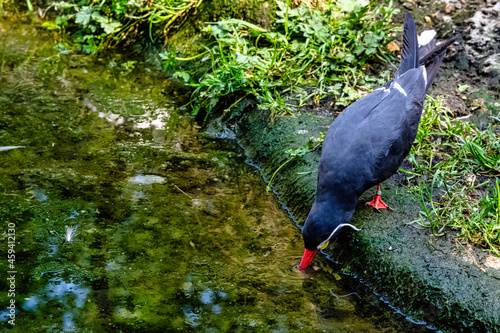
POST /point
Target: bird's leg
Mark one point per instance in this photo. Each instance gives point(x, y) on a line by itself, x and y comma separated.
point(377, 202)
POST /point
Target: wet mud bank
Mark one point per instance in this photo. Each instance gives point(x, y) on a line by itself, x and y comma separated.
point(436, 281)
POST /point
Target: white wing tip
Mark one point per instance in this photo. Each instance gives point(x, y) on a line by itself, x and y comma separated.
point(426, 37)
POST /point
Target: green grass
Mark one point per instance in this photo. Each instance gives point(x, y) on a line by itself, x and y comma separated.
point(447, 159)
point(307, 55)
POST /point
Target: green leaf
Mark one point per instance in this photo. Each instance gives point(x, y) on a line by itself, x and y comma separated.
point(372, 41)
point(96, 16)
point(83, 16)
point(351, 5)
point(107, 24)
point(182, 75)
point(248, 61)
point(60, 47)
point(110, 27)
point(65, 5)
point(62, 20)
point(50, 25)
point(169, 61)
point(463, 88)
point(30, 5)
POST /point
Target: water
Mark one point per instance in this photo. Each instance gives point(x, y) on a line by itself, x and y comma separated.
point(127, 218)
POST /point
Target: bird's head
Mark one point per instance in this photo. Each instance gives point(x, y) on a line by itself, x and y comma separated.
point(319, 224)
point(320, 228)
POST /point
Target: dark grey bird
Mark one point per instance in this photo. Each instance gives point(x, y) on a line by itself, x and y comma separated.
point(369, 140)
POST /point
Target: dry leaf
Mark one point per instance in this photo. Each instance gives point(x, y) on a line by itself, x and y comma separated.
point(392, 46)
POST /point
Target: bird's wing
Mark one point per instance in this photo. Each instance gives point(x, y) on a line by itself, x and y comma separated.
point(367, 143)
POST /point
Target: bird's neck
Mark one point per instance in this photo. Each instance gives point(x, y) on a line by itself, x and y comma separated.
point(336, 209)
point(327, 213)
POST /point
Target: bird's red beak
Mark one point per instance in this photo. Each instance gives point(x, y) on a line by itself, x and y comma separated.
point(307, 258)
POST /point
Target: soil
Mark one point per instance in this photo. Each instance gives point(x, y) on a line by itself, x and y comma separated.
point(474, 61)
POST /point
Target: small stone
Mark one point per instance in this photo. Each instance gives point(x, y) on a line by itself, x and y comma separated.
point(448, 8)
point(446, 19)
point(409, 5)
point(492, 262)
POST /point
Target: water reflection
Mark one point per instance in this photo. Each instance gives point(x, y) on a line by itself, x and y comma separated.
point(67, 293)
point(70, 296)
point(146, 179)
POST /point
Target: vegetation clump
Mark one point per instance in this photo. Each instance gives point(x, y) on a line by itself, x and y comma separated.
point(462, 161)
point(99, 24)
point(309, 53)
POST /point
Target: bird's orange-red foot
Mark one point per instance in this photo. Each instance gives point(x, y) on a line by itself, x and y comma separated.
point(377, 202)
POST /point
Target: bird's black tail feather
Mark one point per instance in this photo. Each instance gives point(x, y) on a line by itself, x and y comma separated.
point(433, 60)
point(409, 53)
point(430, 57)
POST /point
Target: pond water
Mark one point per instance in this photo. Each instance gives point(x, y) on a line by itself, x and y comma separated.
point(124, 217)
